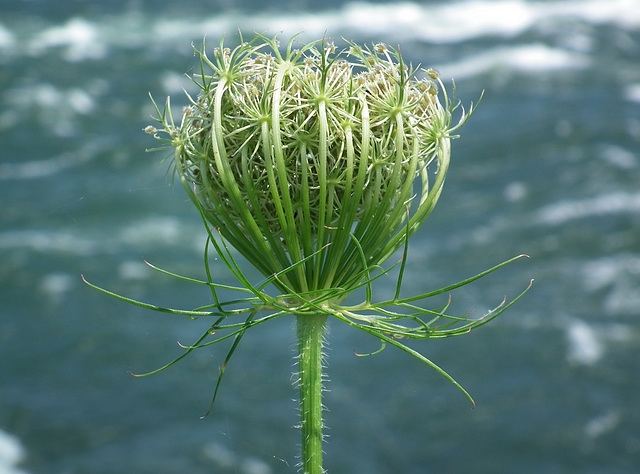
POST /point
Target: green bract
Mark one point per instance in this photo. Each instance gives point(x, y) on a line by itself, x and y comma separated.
point(288, 152)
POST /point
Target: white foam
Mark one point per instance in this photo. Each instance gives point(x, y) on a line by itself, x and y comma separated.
point(134, 270)
point(618, 276)
point(602, 424)
point(623, 299)
point(603, 272)
point(32, 169)
point(154, 230)
point(225, 459)
point(447, 22)
point(442, 23)
point(12, 453)
point(78, 37)
point(632, 92)
point(7, 39)
point(516, 191)
point(47, 96)
point(619, 156)
point(606, 204)
point(56, 109)
point(80, 101)
point(530, 58)
point(435, 23)
point(623, 13)
point(57, 284)
point(172, 82)
point(43, 241)
point(584, 346)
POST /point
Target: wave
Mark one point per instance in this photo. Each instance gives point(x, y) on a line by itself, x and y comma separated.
point(154, 231)
point(607, 204)
point(50, 166)
point(47, 241)
point(12, 453)
point(584, 345)
point(528, 58)
point(441, 23)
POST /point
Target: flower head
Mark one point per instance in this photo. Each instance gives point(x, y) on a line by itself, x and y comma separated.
point(313, 159)
point(316, 164)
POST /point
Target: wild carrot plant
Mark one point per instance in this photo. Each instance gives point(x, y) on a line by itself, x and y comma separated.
point(316, 164)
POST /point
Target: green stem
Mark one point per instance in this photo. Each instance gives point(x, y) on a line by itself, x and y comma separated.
point(310, 329)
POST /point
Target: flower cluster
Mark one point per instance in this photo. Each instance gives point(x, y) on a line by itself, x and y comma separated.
point(308, 158)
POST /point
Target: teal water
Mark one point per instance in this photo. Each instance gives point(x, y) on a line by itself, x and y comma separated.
point(548, 166)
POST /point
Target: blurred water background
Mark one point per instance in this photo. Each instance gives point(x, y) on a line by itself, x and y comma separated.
point(549, 166)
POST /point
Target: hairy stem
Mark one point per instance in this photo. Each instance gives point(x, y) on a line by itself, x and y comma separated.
point(310, 330)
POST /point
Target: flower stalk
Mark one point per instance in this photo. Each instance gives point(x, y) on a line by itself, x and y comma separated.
point(316, 165)
point(310, 331)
